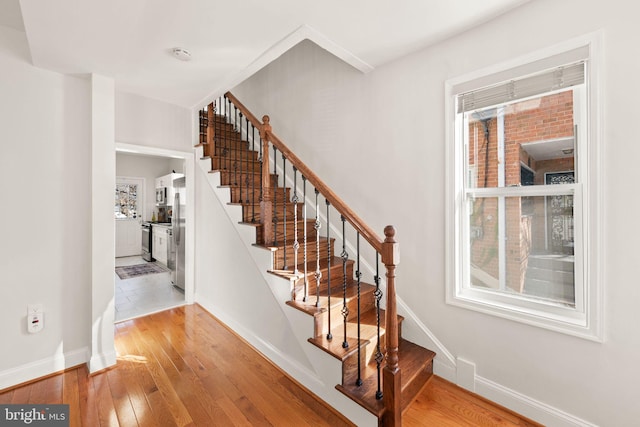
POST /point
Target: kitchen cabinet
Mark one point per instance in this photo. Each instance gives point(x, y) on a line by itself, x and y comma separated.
point(165, 183)
point(159, 236)
point(167, 180)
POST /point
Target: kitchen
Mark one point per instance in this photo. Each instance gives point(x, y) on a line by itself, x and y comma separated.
point(149, 234)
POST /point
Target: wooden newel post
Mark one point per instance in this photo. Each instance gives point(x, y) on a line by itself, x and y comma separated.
point(209, 149)
point(391, 374)
point(266, 202)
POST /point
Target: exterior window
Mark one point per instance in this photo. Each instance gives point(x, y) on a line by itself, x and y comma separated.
point(519, 241)
point(126, 201)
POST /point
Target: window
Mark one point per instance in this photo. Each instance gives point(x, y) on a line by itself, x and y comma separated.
point(523, 192)
point(126, 201)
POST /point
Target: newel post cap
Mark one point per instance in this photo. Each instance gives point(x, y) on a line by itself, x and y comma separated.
point(390, 248)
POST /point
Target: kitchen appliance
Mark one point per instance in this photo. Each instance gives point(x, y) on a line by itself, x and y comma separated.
point(146, 241)
point(161, 196)
point(178, 233)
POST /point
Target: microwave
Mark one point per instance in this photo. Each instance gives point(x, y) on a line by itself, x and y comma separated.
point(161, 196)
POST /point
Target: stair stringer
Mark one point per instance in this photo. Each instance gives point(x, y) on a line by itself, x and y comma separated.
point(326, 372)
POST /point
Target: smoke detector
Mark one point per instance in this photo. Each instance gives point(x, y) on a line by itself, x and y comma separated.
point(181, 53)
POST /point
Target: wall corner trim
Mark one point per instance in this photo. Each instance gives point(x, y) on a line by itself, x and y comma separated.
point(303, 32)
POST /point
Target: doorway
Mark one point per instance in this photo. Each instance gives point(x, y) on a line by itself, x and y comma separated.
point(146, 292)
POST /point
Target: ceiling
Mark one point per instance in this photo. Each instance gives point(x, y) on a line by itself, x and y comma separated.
point(131, 40)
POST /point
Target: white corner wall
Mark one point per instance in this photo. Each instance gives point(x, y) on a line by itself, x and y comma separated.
point(229, 284)
point(45, 254)
point(153, 123)
point(103, 183)
point(378, 141)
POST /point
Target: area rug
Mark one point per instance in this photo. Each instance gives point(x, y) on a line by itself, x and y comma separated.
point(129, 271)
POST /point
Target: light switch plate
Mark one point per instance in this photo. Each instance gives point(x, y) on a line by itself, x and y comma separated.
point(35, 318)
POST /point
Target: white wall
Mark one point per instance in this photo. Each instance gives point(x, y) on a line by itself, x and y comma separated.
point(378, 140)
point(148, 122)
point(45, 254)
point(228, 282)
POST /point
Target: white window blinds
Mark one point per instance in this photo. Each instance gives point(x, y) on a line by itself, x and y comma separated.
point(550, 80)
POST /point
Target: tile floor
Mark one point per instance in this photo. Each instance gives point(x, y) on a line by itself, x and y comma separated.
point(142, 295)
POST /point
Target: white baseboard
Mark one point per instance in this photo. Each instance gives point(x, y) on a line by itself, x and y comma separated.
point(102, 361)
point(43, 367)
point(527, 406)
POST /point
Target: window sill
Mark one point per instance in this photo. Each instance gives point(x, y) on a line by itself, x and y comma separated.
point(554, 317)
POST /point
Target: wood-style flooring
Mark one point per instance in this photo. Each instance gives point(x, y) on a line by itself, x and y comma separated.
point(182, 367)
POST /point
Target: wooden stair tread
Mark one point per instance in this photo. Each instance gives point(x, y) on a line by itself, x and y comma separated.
point(368, 334)
point(414, 361)
point(311, 268)
point(334, 346)
point(337, 297)
point(279, 246)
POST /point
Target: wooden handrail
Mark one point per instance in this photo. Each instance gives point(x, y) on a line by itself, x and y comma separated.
point(253, 119)
point(365, 231)
point(265, 131)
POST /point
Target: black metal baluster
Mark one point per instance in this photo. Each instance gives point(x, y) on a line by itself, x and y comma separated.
point(235, 118)
point(238, 152)
point(253, 171)
point(261, 164)
point(227, 141)
point(329, 335)
point(249, 175)
point(214, 150)
point(379, 355)
point(296, 244)
point(304, 218)
point(358, 276)
point(318, 274)
point(217, 142)
point(225, 152)
point(201, 123)
point(284, 209)
point(345, 257)
point(275, 197)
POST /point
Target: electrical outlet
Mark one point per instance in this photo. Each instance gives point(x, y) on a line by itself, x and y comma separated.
point(35, 318)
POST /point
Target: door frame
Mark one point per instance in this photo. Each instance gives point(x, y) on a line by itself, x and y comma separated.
point(189, 161)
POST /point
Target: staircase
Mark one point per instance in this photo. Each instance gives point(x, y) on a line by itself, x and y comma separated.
point(303, 224)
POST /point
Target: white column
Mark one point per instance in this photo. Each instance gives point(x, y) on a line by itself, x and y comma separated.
point(103, 167)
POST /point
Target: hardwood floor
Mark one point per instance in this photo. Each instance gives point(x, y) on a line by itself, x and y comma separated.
point(182, 367)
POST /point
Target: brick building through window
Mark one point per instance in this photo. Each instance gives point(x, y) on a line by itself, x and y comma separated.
point(523, 244)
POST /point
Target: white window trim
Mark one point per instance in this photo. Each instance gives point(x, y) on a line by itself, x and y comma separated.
point(586, 320)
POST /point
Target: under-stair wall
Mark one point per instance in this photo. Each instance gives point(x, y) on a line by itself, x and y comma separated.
point(233, 284)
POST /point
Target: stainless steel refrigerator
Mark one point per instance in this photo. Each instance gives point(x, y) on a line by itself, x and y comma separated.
point(178, 233)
